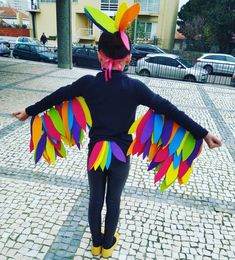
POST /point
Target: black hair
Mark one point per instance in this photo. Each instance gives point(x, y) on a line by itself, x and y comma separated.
point(112, 46)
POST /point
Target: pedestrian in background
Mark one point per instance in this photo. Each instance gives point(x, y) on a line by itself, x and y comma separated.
point(43, 39)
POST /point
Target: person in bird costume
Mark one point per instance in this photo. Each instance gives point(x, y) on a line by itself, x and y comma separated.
point(105, 105)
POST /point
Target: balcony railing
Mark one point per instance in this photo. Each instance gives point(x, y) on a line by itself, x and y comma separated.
point(85, 33)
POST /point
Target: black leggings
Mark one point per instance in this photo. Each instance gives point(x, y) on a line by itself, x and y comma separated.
point(115, 177)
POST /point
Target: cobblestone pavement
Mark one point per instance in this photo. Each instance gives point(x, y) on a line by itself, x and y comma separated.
point(43, 209)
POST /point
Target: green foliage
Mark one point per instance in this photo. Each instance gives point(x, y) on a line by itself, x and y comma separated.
point(209, 21)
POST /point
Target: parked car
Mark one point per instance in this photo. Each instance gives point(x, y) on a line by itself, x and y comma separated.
point(34, 52)
point(139, 51)
point(4, 50)
point(5, 42)
point(86, 57)
point(217, 63)
point(28, 40)
point(169, 66)
point(232, 83)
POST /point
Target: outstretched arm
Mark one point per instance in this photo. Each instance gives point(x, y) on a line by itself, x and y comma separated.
point(77, 88)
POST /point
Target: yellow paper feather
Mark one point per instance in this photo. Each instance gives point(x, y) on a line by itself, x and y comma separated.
point(50, 150)
point(121, 10)
point(182, 143)
point(103, 163)
point(186, 176)
point(171, 174)
point(134, 125)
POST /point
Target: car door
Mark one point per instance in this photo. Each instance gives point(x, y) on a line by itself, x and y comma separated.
point(153, 66)
point(93, 59)
point(23, 51)
point(80, 57)
point(173, 70)
point(33, 54)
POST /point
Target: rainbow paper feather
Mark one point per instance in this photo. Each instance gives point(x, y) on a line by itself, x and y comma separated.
point(101, 155)
point(64, 123)
point(170, 149)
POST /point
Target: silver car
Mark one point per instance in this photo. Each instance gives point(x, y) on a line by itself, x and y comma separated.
point(217, 63)
point(169, 66)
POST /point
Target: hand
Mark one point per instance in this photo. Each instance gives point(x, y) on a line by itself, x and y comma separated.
point(21, 115)
point(212, 141)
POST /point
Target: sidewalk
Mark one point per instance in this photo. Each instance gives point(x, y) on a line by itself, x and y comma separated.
point(43, 209)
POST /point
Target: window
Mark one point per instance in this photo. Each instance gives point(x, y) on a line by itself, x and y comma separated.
point(93, 53)
point(81, 52)
point(230, 59)
point(150, 6)
point(109, 5)
point(23, 47)
point(145, 30)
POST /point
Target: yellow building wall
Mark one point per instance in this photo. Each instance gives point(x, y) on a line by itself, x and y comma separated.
point(167, 23)
point(46, 20)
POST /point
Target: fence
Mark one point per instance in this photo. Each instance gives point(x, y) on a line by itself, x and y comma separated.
point(218, 73)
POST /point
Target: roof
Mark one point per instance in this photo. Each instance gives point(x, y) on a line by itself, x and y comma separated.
point(168, 55)
point(9, 12)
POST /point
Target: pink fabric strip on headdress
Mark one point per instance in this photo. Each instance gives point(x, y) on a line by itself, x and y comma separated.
point(108, 64)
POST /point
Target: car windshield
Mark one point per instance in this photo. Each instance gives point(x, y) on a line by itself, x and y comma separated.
point(41, 48)
point(185, 62)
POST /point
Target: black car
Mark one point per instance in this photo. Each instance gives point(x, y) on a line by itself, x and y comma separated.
point(139, 51)
point(86, 57)
point(4, 50)
point(34, 52)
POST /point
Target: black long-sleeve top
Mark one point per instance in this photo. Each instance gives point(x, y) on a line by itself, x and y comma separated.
point(113, 106)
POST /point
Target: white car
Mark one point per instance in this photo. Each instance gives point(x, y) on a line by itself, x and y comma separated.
point(169, 66)
point(217, 63)
point(28, 40)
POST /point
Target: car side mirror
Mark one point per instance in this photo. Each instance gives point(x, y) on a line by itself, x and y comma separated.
point(180, 66)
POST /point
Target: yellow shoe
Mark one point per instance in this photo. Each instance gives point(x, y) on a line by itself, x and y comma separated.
point(96, 250)
point(108, 252)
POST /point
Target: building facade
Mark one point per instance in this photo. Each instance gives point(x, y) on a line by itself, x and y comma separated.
point(22, 5)
point(157, 20)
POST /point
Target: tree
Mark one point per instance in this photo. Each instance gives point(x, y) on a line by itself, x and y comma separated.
point(209, 21)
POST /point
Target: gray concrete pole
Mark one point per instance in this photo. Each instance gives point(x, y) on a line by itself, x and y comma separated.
point(64, 33)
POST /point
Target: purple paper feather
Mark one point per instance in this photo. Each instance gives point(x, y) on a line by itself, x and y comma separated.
point(148, 129)
point(76, 131)
point(40, 147)
point(166, 131)
point(153, 165)
point(146, 148)
point(117, 152)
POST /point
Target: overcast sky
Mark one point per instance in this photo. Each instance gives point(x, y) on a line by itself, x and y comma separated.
point(182, 2)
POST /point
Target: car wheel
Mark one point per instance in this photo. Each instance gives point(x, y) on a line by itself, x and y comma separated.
point(144, 72)
point(208, 68)
point(190, 78)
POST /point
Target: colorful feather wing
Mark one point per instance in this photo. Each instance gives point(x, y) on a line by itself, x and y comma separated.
point(62, 124)
point(170, 148)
